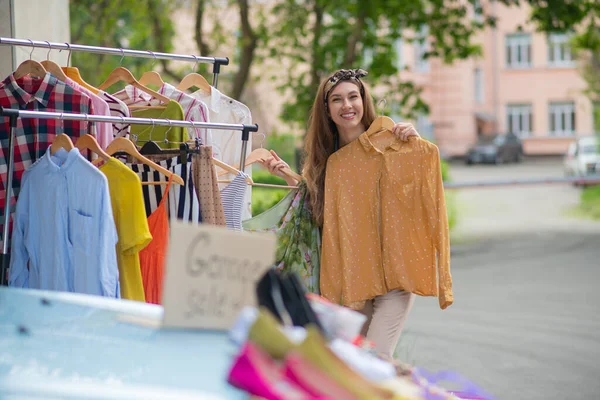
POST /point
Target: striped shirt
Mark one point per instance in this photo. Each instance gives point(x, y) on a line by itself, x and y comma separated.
point(232, 197)
point(193, 109)
point(117, 109)
point(182, 202)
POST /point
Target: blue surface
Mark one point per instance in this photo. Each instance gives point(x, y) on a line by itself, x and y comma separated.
point(85, 339)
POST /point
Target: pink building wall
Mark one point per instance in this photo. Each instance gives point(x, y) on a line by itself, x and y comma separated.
point(450, 90)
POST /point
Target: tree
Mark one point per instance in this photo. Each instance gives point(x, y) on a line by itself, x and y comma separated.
point(120, 24)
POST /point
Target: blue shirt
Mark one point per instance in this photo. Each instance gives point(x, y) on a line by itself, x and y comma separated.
point(64, 234)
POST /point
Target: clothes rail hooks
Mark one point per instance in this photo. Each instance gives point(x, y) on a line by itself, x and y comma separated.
point(216, 61)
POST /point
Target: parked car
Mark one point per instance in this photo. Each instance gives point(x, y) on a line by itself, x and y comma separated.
point(496, 149)
point(583, 157)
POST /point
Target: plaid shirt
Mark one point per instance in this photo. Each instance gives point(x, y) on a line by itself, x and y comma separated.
point(33, 136)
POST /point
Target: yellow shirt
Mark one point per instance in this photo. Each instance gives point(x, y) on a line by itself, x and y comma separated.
point(385, 223)
point(132, 226)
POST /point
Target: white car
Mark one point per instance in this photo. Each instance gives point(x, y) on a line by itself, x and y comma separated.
point(583, 157)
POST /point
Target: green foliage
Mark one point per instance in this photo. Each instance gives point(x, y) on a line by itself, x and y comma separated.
point(328, 35)
point(134, 24)
point(590, 202)
point(265, 198)
point(284, 145)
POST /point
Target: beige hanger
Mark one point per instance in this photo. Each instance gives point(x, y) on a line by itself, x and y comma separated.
point(230, 169)
point(380, 124)
point(61, 141)
point(126, 145)
point(73, 73)
point(30, 67)
point(151, 77)
point(194, 79)
point(87, 141)
point(53, 67)
point(121, 74)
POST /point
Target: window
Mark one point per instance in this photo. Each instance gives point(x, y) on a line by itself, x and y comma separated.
point(518, 50)
point(559, 50)
point(596, 116)
point(519, 120)
point(421, 48)
point(424, 126)
point(477, 11)
point(478, 76)
point(562, 119)
point(398, 46)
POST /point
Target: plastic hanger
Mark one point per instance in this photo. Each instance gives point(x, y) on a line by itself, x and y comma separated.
point(73, 73)
point(61, 141)
point(30, 67)
point(53, 67)
point(123, 144)
point(87, 141)
point(194, 79)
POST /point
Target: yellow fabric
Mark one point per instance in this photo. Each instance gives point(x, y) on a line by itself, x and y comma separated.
point(385, 223)
point(131, 223)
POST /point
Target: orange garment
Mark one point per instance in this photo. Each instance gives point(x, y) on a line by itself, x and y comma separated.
point(385, 223)
point(152, 258)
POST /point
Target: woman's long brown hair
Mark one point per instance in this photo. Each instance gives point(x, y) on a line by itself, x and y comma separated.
point(319, 144)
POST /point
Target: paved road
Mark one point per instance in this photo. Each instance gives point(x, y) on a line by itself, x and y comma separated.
point(525, 324)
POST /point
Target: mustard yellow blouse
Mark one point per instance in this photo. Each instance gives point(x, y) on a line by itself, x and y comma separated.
point(385, 223)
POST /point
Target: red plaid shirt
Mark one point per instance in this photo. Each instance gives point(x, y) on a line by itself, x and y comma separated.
point(33, 136)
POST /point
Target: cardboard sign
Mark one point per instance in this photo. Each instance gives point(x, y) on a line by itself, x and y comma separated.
point(211, 274)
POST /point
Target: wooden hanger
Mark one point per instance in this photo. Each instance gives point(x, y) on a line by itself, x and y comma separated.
point(151, 78)
point(230, 169)
point(61, 141)
point(126, 145)
point(73, 73)
point(87, 141)
point(54, 69)
point(194, 80)
point(121, 74)
point(29, 67)
point(380, 124)
point(263, 154)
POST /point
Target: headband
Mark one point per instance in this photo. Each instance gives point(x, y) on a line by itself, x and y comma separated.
point(344, 75)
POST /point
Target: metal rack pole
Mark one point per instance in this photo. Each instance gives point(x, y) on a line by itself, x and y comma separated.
point(13, 115)
point(113, 51)
point(129, 120)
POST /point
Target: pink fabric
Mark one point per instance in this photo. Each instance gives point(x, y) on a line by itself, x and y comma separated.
point(256, 373)
point(104, 130)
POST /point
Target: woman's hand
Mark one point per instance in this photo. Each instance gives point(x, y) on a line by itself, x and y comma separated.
point(275, 165)
point(404, 130)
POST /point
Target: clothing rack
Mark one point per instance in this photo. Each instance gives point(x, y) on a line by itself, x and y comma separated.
point(216, 61)
point(13, 115)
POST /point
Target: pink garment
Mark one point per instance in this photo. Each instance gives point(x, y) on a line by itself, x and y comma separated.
point(104, 130)
point(256, 373)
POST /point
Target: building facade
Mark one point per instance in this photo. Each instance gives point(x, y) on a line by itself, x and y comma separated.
point(525, 82)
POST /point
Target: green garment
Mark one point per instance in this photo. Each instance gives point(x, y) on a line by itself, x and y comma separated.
point(144, 133)
point(298, 236)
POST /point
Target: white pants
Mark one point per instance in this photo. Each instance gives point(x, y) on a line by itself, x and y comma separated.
point(386, 316)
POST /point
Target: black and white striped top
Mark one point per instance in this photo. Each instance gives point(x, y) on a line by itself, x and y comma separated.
point(117, 109)
point(182, 202)
point(232, 197)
